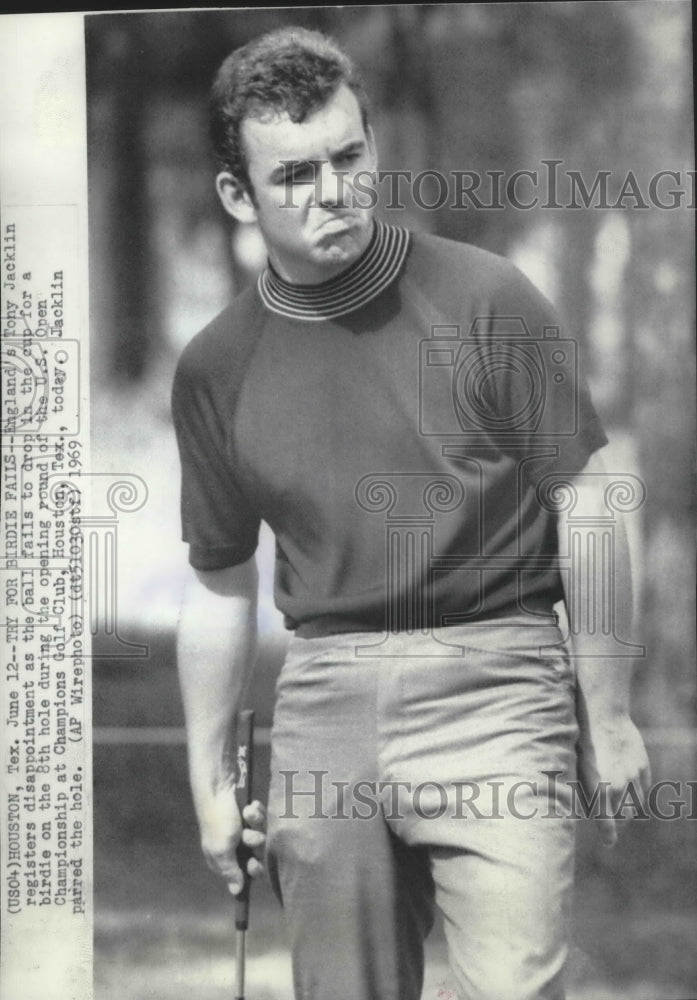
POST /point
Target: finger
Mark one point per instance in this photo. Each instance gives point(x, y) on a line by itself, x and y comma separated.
point(607, 828)
point(253, 838)
point(236, 884)
point(229, 871)
point(255, 868)
point(227, 866)
point(255, 815)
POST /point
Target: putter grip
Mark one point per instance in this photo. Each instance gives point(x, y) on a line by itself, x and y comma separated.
point(244, 770)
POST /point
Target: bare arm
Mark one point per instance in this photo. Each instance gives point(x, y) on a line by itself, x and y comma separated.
point(215, 654)
point(610, 746)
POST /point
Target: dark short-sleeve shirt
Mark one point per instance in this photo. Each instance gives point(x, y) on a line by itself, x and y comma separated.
point(398, 451)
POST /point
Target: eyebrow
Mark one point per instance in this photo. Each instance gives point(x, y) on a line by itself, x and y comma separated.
point(287, 168)
point(351, 147)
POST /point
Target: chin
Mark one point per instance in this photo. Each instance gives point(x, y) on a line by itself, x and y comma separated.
point(339, 254)
point(343, 248)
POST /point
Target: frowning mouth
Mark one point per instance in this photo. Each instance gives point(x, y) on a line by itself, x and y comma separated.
point(337, 223)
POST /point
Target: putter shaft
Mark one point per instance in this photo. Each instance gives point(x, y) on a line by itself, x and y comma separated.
point(243, 794)
point(241, 942)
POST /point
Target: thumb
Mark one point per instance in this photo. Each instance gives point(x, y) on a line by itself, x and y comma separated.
point(607, 828)
point(235, 882)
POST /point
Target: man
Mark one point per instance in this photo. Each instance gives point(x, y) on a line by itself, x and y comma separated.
point(400, 409)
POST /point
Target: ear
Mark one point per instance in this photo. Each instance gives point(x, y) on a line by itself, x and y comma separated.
point(235, 197)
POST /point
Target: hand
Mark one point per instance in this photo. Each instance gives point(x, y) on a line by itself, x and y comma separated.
point(612, 751)
point(221, 830)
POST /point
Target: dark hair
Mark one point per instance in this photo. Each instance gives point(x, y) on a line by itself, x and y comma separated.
point(290, 70)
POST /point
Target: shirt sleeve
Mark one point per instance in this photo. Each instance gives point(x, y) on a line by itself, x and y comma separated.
point(218, 520)
point(532, 374)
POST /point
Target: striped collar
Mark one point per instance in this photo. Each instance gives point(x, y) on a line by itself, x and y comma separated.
point(366, 278)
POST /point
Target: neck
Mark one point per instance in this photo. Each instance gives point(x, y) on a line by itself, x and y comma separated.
point(369, 275)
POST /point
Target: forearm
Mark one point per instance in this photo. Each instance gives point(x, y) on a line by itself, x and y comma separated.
point(603, 678)
point(216, 651)
point(598, 596)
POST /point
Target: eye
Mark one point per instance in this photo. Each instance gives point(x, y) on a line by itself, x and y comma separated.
point(306, 175)
point(350, 157)
point(300, 173)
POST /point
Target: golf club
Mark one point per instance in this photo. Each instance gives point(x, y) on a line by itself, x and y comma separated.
point(243, 794)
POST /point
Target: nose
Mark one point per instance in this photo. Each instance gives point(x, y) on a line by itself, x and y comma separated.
point(330, 186)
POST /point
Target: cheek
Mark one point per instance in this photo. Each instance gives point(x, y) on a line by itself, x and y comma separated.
point(288, 207)
point(283, 225)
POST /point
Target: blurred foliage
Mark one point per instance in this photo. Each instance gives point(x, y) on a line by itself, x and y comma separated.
point(482, 87)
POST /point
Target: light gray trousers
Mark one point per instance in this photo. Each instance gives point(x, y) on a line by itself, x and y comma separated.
point(405, 777)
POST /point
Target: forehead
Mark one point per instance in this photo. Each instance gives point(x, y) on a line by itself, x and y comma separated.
point(336, 123)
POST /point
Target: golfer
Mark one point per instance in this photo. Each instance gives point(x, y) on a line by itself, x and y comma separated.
point(404, 411)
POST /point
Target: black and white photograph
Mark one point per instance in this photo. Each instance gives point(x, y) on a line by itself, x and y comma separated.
point(349, 477)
